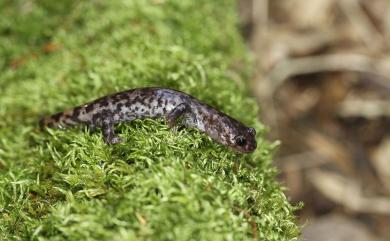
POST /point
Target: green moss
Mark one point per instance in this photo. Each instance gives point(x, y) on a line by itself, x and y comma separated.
point(159, 185)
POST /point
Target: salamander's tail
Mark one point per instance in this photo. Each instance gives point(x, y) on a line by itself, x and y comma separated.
point(53, 121)
point(61, 120)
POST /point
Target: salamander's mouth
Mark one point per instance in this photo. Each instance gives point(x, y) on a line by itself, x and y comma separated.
point(247, 148)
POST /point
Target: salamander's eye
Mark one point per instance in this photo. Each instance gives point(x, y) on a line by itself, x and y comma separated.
point(240, 140)
point(252, 131)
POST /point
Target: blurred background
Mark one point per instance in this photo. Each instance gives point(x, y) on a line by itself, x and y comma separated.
point(323, 84)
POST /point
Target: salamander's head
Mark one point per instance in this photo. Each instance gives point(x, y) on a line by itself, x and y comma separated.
point(244, 140)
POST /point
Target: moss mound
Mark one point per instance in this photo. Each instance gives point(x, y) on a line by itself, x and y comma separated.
point(159, 185)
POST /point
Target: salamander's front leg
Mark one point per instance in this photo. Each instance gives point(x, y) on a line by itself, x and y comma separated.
point(176, 113)
point(109, 133)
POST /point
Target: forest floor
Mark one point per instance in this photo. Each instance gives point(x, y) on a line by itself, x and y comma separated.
point(323, 84)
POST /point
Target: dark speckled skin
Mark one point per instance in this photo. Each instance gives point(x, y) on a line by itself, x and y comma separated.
point(153, 102)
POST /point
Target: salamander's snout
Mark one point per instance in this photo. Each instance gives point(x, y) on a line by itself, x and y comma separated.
point(251, 147)
point(245, 142)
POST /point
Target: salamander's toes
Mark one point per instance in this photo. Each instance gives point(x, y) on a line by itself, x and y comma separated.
point(174, 128)
point(112, 140)
point(115, 140)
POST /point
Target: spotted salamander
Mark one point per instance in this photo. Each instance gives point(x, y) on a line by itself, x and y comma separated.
point(152, 102)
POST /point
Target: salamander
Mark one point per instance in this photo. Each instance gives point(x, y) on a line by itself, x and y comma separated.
point(152, 102)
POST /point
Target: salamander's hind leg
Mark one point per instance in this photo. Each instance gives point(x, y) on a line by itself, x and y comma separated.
point(91, 127)
point(182, 110)
point(109, 133)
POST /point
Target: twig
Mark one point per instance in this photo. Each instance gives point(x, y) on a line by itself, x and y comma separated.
point(348, 192)
point(380, 160)
point(260, 14)
point(360, 21)
point(301, 161)
point(364, 108)
point(386, 23)
point(330, 148)
point(331, 62)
